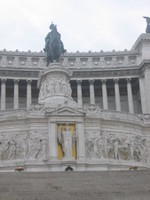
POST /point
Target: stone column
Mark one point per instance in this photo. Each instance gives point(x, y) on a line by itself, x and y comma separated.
point(80, 141)
point(79, 93)
point(104, 92)
point(130, 97)
point(147, 88)
point(16, 94)
point(29, 93)
point(53, 151)
point(92, 93)
point(3, 94)
point(117, 95)
point(142, 95)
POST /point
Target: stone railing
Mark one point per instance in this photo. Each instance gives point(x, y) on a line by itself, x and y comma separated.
point(72, 60)
point(13, 114)
point(93, 111)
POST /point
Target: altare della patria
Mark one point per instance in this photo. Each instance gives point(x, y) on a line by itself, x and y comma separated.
point(64, 111)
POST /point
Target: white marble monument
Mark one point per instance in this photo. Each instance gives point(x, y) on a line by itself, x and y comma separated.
point(91, 111)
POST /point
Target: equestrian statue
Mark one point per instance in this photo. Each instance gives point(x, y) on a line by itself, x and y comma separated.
point(148, 24)
point(53, 45)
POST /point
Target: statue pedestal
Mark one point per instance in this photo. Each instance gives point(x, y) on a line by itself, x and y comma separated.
point(54, 86)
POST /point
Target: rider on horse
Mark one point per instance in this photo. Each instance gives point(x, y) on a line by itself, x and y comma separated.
point(53, 45)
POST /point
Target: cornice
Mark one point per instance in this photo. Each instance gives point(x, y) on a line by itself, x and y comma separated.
point(143, 66)
point(107, 74)
point(144, 37)
point(77, 74)
point(20, 74)
point(22, 53)
point(73, 61)
point(86, 73)
point(69, 54)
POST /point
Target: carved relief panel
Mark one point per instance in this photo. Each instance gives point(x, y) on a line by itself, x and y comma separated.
point(55, 86)
point(24, 145)
point(109, 145)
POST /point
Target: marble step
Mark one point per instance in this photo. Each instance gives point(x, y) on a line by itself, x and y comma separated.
point(110, 185)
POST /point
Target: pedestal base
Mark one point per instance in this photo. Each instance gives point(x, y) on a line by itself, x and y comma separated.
point(54, 86)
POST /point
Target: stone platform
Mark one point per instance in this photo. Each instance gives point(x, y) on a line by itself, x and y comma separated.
point(114, 185)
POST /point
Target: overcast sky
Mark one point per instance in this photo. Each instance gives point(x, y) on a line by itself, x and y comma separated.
point(84, 25)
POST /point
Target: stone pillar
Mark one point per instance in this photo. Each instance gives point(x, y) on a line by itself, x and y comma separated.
point(147, 88)
point(117, 95)
point(104, 92)
point(92, 93)
point(29, 93)
point(52, 133)
point(142, 95)
point(80, 141)
point(3, 94)
point(130, 97)
point(16, 94)
point(79, 93)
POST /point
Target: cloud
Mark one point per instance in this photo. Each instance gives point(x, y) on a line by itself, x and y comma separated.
point(84, 24)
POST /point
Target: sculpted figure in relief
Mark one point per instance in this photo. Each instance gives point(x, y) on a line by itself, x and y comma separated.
point(41, 149)
point(89, 150)
point(38, 146)
point(36, 108)
point(116, 149)
point(46, 87)
point(92, 111)
point(25, 147)
point(98, 148)
point(11, 149)
point(57, 87)
point(64, 88)
point(144, 151)
point(94, 146)
point(69, 90)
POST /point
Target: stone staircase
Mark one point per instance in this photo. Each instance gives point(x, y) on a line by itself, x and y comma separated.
point(104, 185)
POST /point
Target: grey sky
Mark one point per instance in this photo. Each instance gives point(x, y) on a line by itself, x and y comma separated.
point(84, 24)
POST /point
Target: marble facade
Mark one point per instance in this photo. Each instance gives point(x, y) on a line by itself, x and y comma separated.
point(104, 96)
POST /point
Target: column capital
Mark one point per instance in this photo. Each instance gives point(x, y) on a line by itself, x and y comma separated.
point(29, 81)
point(141, 76)
point(16, 81)
point(128, 80)
point(79, 81)
point(103, 81)
point(3, 80)
point(116, 80)
point(91, 81)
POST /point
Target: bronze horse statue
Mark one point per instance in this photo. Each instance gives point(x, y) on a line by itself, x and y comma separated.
point(54, 46)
